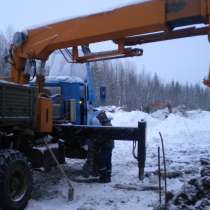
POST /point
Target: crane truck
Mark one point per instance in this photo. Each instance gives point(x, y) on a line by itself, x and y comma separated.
point(26, 112)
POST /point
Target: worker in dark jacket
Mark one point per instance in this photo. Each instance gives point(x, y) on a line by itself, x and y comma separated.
point(105, 152)
point(90, 167)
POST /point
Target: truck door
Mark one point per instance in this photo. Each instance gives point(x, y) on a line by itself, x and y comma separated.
point(75, 92)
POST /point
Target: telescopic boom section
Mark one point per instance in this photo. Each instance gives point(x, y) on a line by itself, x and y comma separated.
point(130, 25)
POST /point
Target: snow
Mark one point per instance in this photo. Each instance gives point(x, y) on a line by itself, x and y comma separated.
point(8, 82)
point(186, 139)
point(93, 12)
point(69, 79)
point(59, 67)
point(44, 148)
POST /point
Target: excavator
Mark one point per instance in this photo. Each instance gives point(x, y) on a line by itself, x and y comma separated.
point(26, 121)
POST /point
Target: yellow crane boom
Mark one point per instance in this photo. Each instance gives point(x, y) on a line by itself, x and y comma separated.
point(145, 22)
point(150, 21)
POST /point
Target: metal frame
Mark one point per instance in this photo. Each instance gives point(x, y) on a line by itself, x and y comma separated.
point(165, 35)
point(79, 132)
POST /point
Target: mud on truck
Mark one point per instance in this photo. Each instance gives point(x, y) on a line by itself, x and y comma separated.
point(27, 113)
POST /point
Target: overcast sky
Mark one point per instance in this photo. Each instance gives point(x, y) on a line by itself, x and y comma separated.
point(185, 60)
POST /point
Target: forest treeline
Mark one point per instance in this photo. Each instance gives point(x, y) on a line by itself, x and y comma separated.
point(128, 88)
point(5, 40)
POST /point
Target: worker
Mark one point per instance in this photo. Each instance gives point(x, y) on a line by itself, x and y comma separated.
point(104, 155)
point(90, 167)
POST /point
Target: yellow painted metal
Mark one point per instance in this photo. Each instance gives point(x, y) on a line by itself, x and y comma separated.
point(138, 19)
point(44, 115)
point(141, 18)
point(131, 20)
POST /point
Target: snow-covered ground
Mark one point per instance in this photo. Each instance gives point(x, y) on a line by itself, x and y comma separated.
point(186, 140)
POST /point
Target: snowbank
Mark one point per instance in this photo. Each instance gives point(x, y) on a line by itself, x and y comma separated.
point(186, 140)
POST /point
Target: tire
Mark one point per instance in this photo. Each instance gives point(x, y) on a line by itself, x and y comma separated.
point(15, 180)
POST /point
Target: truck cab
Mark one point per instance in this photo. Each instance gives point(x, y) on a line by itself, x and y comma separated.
point(69, 97)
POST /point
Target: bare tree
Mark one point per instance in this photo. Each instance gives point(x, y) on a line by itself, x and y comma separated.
point(126, 87)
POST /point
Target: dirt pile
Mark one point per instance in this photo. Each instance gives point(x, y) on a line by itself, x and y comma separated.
point(195, 194)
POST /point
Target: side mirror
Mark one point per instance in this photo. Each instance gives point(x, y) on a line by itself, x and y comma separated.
point(103, 93)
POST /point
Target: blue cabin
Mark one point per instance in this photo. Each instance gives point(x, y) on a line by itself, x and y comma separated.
point(70, 97)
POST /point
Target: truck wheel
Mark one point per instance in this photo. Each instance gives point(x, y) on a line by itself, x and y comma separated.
point(15, 180)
